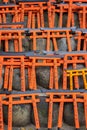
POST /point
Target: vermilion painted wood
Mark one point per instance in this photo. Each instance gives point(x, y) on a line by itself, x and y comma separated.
point(62, 98)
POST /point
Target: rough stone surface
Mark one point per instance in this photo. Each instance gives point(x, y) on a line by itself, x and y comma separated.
point(76, 21)
point(41, 44)
point(69, 114)
point(43, 75)
point(78, 66)
point(11, 46)
point(20, 116)
point(46, 19)
point(1, 83)
point(17, 79)
point(63, 45)
point(9, 18)
point(26, 44)
point(43, 113)
point(2, 79)
point(65, 19)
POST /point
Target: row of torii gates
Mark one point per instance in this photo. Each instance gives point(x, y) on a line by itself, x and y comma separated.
point(27, 20)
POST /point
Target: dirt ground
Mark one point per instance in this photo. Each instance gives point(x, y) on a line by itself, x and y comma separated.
point(31, 127)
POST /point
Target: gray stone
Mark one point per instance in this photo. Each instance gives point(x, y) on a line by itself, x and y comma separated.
point(20, 115)
point(63, 45)
point(43, 76)
point(9, 18)
point(69, 114)
point(11, 46)
point(26, 44)
point(2, 79)
point(78, 66)
point(65, 16)
point(17, 79)
point(76, 20)
point(1, 83)
point(43, 113)
point(46, 24)
point(41, 44)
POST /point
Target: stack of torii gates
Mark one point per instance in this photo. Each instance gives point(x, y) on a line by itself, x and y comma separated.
point(34, 28)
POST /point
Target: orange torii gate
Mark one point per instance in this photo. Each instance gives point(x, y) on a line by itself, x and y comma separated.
point(32, 97)
point(11, 10)
point(11, 99)
point(61, 98)
point(1, 112)
point(50, 34)
point(12, 34)
point(53, 34)
point(12, 25)
point(33, 60)
point(69, 10)
point(30, 12)
point(81, 37)
point(34, 13)
point(29, 61)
